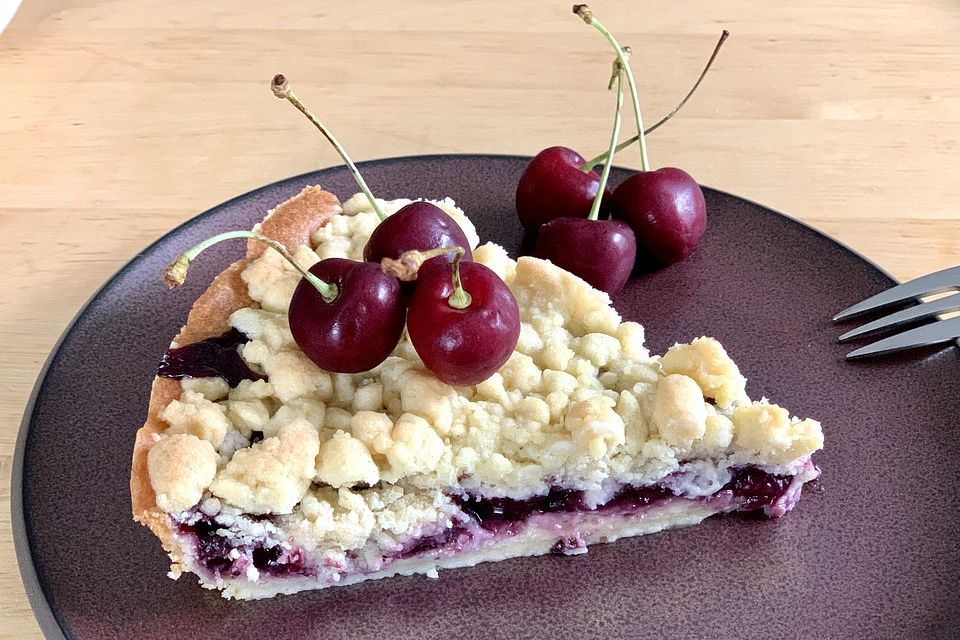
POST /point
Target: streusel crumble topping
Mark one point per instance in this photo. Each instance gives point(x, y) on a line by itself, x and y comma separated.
point(345, 460)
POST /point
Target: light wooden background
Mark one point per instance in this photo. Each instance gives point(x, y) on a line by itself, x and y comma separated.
point(120, 119)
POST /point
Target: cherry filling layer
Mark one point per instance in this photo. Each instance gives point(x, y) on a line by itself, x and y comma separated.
point(504, 514)
point(224, 556)
point(209, 358)
point(483, 521)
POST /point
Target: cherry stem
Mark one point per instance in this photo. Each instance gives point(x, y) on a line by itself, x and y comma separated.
point(407, 266)
point(605, 174)
point(617, 69)
point(459, 299)
point(590, 164)
point(281, 89)
point(176, 272)
point(587, 16)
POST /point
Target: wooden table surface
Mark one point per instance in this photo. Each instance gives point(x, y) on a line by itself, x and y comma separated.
point(120, 119)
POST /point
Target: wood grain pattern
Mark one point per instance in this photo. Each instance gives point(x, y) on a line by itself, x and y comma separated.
point(122, 118)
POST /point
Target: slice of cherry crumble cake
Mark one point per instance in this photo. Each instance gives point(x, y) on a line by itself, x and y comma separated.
point(263, 474)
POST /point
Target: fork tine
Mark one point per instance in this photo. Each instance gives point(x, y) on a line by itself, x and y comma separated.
point(935, 333)
point(936, 282)
point(910, 314)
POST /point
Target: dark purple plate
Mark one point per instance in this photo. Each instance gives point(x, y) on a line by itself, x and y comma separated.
point(872, 553)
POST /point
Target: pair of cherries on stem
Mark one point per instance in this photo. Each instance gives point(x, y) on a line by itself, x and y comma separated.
point(357, 327)
point(348, 316)
point(462, 319)
point(664, 210)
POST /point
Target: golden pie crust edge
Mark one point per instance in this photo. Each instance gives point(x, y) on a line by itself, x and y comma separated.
point(291, 222)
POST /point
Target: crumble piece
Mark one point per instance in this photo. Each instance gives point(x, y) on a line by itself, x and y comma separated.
point(196, 415)
point(706, 361)
point(768, 433)
point(344, 462)
point(272, 475)
point(181, 467)
point(679, 412)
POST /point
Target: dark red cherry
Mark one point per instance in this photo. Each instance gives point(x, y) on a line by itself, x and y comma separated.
point(418, 226)
point(553, 186)
point(602, 252)
point(666, 210)
point(359, 327)
point(463, 346)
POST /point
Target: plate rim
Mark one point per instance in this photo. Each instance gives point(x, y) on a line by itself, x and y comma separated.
point(40, 604)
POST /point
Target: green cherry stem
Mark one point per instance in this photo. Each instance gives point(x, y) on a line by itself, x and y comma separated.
point(605, 174)
point(459, 299)
point(592, 162)
point(281, 89)
point(587, 16)
point(176, 272)
point(617, 69)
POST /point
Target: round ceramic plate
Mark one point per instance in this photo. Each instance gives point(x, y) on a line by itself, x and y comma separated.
point(871, 552)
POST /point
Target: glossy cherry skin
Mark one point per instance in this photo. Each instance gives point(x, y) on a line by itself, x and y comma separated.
point(463, 346)
point(666, 210)
point(418, 225)
point(356, 330)
point(602, 252)
point(552, 186)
